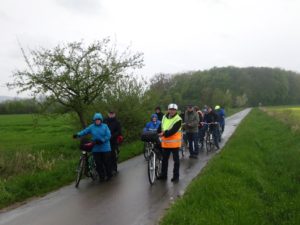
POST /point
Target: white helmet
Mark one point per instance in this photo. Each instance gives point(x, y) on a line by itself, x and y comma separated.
point(172, 106)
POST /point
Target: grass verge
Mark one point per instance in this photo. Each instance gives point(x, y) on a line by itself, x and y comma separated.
point(254, 180)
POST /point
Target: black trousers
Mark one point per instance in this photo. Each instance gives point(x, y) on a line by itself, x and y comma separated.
point(114, 159)
point(165, 161)
point(103, 163)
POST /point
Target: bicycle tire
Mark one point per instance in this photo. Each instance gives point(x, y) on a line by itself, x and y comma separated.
point(93, 174)
point(80, 171)
point(208, 143)
point(146, 151)
point(158, 166)
point(151, 167)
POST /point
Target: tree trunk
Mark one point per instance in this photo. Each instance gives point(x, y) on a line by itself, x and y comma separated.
point(81, 118)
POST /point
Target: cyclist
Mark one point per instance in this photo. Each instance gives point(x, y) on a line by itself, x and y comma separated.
point(212, 118)
point(101, 150)
point(170, 134)
point(153, 124)
point(115, 130)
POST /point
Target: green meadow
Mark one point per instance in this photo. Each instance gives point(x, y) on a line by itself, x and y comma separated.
point(255, 179)
point(38, 155)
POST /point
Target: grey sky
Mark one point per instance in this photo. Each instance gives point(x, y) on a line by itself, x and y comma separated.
point(174, 35)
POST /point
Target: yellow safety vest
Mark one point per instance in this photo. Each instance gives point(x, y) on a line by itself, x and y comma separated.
point(173, 141)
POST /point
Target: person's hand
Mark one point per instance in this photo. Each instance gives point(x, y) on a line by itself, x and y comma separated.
point(99, 142)
point(161, 134)
point(75, 136)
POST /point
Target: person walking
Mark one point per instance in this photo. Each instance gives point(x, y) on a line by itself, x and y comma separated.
point(101, 150)
point(170, 133)
point(116, 131)
point(191, 120)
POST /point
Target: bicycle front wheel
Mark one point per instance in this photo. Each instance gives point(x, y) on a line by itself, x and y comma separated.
point(92, 168)
point(208, 143)
point(151, 167)
point(80, 170)
point(146, 150)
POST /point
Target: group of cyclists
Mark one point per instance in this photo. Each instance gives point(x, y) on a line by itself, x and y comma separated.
point(187, 128)
point(106, 135)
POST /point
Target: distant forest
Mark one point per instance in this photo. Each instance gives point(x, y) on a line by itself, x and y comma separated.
point(227, 86)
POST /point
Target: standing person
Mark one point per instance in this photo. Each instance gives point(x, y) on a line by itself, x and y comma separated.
point(115, 130)
point(153, 124)
point(200, 126)
point(101, 150)
point(159, 113)
point(213, 118)
point(221, 112)
point(170, 134)
point(191, 120)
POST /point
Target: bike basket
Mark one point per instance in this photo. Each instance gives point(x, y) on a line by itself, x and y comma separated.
point(149, 136)
point(87, 146)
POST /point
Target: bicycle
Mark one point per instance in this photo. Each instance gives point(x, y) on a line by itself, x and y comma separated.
point(154, 163)
point(184, 145)
point(86, 165)
point(155, 158)
point(208, 138)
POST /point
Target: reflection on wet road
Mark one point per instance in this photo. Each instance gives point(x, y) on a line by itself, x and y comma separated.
point(128, 199)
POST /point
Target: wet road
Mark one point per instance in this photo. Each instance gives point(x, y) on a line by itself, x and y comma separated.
point(128, 199)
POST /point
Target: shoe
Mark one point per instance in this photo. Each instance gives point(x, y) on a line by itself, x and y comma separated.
point(218, 148)
point(114, 172)
point(162, 177)
point(175, 179)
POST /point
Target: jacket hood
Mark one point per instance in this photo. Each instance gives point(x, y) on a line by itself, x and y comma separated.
point(154, 116)
point(98, 116)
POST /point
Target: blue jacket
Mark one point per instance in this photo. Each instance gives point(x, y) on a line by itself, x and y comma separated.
point(221, 113)
point(99, 133)
point(151, 126)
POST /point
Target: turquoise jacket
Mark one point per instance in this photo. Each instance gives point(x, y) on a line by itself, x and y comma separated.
point(99, 133)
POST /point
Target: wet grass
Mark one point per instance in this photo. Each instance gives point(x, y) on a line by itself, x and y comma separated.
point(38, 156)
point(254, 180)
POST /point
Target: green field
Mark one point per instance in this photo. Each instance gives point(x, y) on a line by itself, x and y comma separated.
point(254, 180)
point(38, 155)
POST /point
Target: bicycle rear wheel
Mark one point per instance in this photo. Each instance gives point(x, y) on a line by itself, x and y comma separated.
point(80, 170)
point(151, 167)
point(158, 166)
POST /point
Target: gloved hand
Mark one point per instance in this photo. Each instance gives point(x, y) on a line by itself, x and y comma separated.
point(99, 142)
point(75, 136)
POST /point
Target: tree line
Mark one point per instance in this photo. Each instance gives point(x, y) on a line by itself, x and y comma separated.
point(228, 86)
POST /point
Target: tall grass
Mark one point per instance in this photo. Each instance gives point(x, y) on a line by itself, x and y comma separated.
point(254, 180)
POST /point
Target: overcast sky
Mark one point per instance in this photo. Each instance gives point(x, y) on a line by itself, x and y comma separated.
point(174, 35)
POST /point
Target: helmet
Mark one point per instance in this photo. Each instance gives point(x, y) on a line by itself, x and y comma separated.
point(172, 106)
point(217, 107)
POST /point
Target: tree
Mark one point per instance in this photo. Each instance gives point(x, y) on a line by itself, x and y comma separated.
point(75, 75)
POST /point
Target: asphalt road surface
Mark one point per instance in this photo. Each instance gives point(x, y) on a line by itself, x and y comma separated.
point(128, 199)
